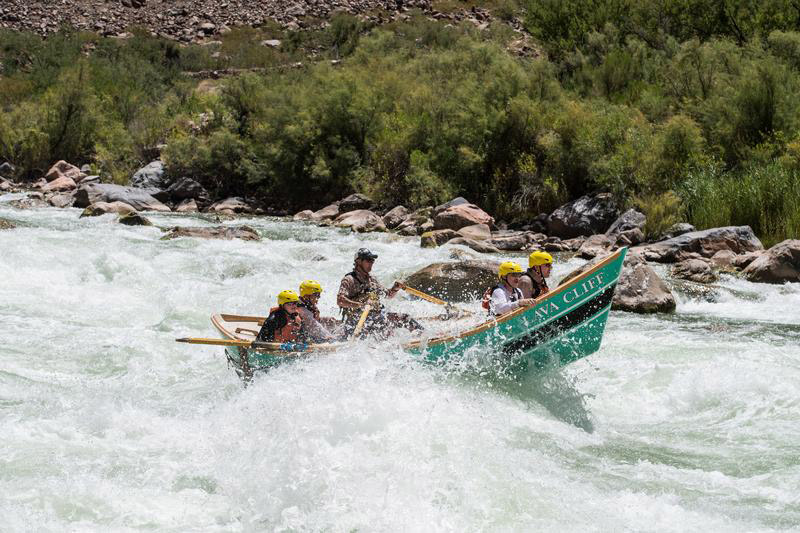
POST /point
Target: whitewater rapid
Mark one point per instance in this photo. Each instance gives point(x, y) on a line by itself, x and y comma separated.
point(680, 422)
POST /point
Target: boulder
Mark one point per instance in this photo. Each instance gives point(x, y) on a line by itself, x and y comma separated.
point(454, 202)
point(677, 229)
point(697, 270)
point(459, 216)
point(60, 184)
point(741, 261)
point(630, 237)
point(31, 201)
point(476, 232)
point(187, 206)
point(150, 176)
point(133, 219)
point(779, 264)
point(432, 239)
point(585, 216)
point(513, 241)
point(361, 221)
point(479, 246)
point(738, 239)
point(457, 281)
point(629, 220)
point(219, 232)
point(61, 200)
point(326, 213)
point(6, 224)
point(395, 217)
point(723, 259)
point(139, 199)
point(304, 215)
point(7, 170)
point(596, 245)
point(103, 208)
point(6, 185)
point(413, 223)
point(90, 179)
point(62, 170)
point(185, 189)
point(230, 206)
point(355, 202)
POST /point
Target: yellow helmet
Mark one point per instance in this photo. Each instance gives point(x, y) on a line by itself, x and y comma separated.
point(287, 296)
point(538, 258)
point(509, 267)
point(310, 286)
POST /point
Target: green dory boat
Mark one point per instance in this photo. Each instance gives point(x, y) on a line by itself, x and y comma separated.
point(563, 326)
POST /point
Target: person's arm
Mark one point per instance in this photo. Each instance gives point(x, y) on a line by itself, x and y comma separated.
point(342, 299)
point(394, 290)
point(313, 329)
point(500, 304)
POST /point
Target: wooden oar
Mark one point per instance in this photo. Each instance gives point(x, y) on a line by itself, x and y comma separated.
point(362, 319)
point(435, 300)
point(285, 347)
point(243, 318)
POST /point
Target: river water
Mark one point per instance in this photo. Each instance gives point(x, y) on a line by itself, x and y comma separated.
point(679, 422)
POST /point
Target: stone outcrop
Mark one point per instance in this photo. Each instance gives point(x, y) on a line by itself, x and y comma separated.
point(103, 208)
point(677, 229)
point(245, 233)
point(779, 264)
point(479, 246)
point(355, 202)
point(395, 217)
point(596, 245)
point(303, 215)
point(476, 232)
point(629, 220)
point(695, 269)
point(738, 239)
point(360, 220)
point(588, 215)
point(150, 176)
point(326, 213)
point(187, 189)
point(133, 219)
point(455, 282)
point(60, 184)
point(62, 170)
point(461, 215)
point(187, 206)
point(432, 239)
point(61, 200)
point(231, 206)
point(7, 170)
point(515, 241)
point(139, 199)
point(416, 223)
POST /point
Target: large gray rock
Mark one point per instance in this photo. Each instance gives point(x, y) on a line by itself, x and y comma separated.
point(395, 217)
point(693, 269)
point(133, 219)
point(231, 206)
point(416, 223)
point(355, 202)
point(476, 232)
point(779, 264)
point(629, 220)
point(62, 170)
point(677, 229)
point(139, 199)
point(62, 184)
point(245, 233)
point(61, 200)
point(186, 189)
point(455, 282)
point(187, 206)
point(432, 239)
point(7, 170)
point(459, 216)
point(596, 245)
point(361, 221)
point(103, 208)
point(306, 214)
point(479, 246)
point(585, 216)
point(455, 201)
point(738, 239)
point(514, 241)
point(150, 176)
point(326, 213)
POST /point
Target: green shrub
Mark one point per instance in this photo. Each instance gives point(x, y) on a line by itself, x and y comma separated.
point(662, 211)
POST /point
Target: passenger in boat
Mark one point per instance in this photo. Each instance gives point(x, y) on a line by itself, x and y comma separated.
point(533, 282)
point(359, 288)
point(283, 323)
point(506, 297)
point(314, 328)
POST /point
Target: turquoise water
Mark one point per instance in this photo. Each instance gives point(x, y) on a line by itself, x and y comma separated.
point(679, 422)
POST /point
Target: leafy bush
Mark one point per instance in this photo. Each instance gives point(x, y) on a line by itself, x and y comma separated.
point(662, 211)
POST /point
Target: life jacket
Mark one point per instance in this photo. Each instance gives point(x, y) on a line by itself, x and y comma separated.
point(352, 314)
point(486, 301)
point(290, 330)
point(538, 289)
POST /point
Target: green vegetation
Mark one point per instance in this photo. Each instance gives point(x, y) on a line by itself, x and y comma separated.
point(689, 109)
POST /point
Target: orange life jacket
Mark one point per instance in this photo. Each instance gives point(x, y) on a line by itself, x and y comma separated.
point(290, 331)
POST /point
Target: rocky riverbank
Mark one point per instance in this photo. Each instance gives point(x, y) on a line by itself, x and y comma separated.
point(590, 227)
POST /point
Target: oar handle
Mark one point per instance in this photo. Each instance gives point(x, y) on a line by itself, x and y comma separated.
point(420, 294)
point(362, 319)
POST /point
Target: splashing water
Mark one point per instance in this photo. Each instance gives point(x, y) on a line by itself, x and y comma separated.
point(679, 422)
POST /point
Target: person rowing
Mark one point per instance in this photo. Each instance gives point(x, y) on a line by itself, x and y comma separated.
point(314, 326)
point(283, 324)
point(360, 288)
point(533, 282)
point(506, 296)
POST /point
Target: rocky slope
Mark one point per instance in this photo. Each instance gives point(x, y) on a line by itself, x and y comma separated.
point(187, 20)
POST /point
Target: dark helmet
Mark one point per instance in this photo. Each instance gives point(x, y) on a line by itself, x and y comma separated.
point(364, 253)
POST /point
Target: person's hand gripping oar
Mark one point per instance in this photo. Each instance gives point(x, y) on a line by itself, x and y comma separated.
point(372, 302)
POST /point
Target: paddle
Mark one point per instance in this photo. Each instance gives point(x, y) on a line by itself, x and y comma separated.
point(286, 346)
point(362, 319)
point(448, 306)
